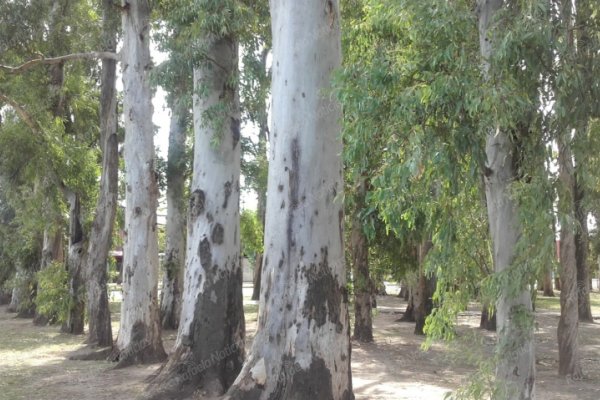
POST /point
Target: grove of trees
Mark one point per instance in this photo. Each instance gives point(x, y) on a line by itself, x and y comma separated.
point(450, 146)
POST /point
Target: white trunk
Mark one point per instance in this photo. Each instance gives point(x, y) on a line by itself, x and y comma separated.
point(515, 373)
point(302, 347)
point(209, 350)
point(139, 339)
point(170, 304)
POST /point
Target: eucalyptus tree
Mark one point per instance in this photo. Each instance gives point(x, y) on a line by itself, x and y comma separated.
point(100, 329)
point(302, 347)
point(209, 350)
point(139, 339)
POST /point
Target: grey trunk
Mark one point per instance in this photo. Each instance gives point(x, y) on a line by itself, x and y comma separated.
point(100, 330)
point(172, 288)
point(139, 339)
point(515, 371)
point(75, 262)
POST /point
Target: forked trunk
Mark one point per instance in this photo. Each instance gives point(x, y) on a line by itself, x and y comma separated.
point(172, 288)
point(139, 339)
point(363, 321)
point(515, 372)
point(209, 351)
point(100, 330)
point(302, 347)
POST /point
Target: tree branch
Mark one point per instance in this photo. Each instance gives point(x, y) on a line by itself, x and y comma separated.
point(23, 114)
point(56, 60)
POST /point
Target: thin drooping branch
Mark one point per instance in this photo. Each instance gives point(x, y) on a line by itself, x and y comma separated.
point(22, 113)
point(92, 55)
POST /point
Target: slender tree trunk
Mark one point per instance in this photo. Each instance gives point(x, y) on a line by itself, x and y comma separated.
point(409, 312)
point(170, 305)
point(263, 164)
point(100, 330)
point(568, 357)
point(75, 263)
point(488, 320)
point(257, 276)
point(547, 283)
point(302, 347)
point(581, 254)
point(363, 322)
point(209, 351)
point(139, 339)
point(18, 292)
point(52, 251)
point(515, 372)
point(422, 297)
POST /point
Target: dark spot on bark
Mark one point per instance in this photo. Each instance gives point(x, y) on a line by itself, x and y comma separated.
point(280, 188)
point(294, 183)
point(141, 35)
point(197, 204)
point(129, 188)
point(487, 172)
point(302, 251)
point(282, 206)
point(303, 94)
point(209, 217)
point(324, 296)
point(205, 253)
point(281, 263)
point(295, 383)
point(235, 131)
point(218, 234)
point(227, 193)
point(137, 211)
point(288, 306)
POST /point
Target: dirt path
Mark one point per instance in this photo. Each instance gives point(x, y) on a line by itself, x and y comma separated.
point(34, 363)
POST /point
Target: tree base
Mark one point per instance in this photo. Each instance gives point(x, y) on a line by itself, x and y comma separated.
point(91, 353)
point(137, 354)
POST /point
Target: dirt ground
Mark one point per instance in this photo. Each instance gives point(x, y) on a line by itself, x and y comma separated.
point(34, 362)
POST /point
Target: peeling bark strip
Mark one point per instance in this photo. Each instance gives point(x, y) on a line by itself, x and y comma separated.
point(515, 372)
point(209, 350)
point(139, 338)
point(302, 347)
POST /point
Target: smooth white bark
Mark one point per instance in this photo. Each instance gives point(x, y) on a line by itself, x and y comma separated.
point(302, 347)
point(139, 337)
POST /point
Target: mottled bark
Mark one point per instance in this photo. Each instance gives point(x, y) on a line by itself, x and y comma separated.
point(209, 351)
point(139, 339)
point(302, 347)
point(515, 371)
point(100, 330)
point(172, 288)
point(363, 321)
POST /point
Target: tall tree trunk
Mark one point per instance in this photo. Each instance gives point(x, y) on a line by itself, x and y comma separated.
point(363, 322)
point(261, 187)
point(568, 357)
point(581, 254)
point(209, 351)
point(139, 339)
point(172, 288)
point(488, 319)
point(409, 312)
point(422, 296)
point(100, 330)
point(515, 372)
point(75, 263)
point(302, 347)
